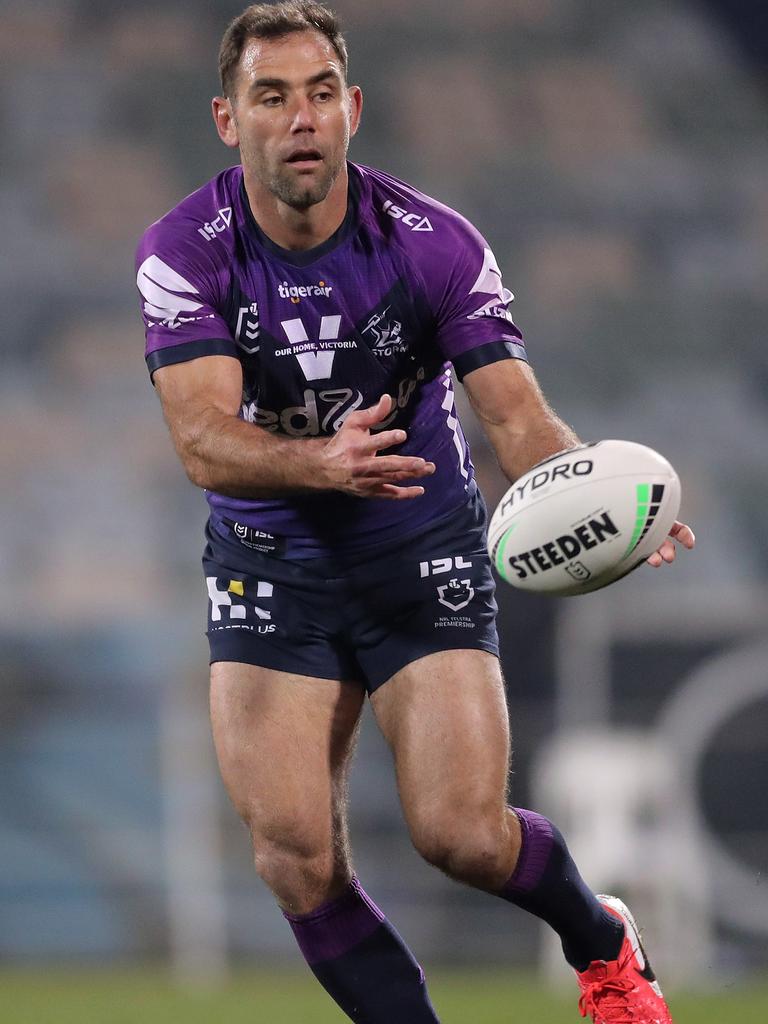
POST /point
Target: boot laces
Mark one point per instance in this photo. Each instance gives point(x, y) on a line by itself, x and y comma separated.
point(608, 997)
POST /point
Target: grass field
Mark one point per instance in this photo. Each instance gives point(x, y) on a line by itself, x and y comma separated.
point(287, 998)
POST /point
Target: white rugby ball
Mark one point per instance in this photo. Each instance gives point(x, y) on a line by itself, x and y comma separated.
point(584, 518)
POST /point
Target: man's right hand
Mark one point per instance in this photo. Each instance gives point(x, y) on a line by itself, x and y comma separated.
point(222, 453)
point(350, 460)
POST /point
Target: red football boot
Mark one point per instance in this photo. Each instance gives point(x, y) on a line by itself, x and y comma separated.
point(625, 990)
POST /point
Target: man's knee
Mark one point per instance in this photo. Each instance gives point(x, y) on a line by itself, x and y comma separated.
point(474, 849)
point(303, 866)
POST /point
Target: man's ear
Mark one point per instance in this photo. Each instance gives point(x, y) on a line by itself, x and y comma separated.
point(224, 118)
point(356, 107)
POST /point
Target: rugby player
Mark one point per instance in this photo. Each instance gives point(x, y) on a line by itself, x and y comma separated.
point(302, 315)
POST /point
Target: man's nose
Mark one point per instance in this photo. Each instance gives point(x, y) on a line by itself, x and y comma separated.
point(303, 116)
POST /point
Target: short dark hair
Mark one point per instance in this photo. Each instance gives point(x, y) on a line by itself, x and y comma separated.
point(271, 21)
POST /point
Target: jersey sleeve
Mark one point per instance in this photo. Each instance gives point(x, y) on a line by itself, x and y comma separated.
point(181, 293)
point(474, 326)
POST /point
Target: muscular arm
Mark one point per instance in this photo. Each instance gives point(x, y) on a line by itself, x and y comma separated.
point(519, 422)
point(524, 429)
point(220, 452)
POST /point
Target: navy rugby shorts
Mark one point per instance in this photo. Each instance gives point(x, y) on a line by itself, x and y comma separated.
point(358, 618)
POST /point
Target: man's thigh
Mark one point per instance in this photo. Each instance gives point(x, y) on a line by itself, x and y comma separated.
point(433, 593)
point(284, 743)
point(445, 717)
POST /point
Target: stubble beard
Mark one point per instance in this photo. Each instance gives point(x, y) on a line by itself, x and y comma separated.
point(285, 185)
point(289, 188)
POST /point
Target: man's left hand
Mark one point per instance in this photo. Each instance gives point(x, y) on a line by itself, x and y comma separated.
point(679, 532)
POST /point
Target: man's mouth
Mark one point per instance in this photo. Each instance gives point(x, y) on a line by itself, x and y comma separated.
point(304, 158)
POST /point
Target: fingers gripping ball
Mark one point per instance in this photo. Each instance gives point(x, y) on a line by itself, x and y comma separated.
point(584, 518)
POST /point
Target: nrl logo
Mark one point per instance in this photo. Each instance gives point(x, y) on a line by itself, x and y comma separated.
point(578, 571)
point(247, 330)
point(455, 594)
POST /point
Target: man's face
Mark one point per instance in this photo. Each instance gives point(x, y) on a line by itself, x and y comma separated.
point(292, 116)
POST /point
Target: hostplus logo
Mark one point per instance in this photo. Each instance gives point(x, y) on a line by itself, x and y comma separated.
point(297, 292)
point(232, 608)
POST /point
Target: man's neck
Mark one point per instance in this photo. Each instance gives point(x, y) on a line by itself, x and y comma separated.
point(293, 229)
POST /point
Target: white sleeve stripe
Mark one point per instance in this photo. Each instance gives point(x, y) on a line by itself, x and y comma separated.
point(158, 282)
point(157, 270)
point(489, 279)
point(158, 297)
point(169, 312)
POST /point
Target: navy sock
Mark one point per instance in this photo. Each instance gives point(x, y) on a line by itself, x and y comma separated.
point(361, 961)
point(547, 883)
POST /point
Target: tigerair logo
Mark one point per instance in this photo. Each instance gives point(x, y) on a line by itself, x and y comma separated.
point(297, 292)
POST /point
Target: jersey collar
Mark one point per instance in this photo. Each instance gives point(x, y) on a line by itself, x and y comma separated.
point(304, 257)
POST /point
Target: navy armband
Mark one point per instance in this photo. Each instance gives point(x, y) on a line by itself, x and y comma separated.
point(189, 350)
point(492, 352)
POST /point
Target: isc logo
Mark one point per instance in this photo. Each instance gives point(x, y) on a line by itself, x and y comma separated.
point(411, 220)
point(210, 229)
point(439, 565)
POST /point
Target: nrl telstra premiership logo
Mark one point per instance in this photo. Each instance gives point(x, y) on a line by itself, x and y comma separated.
point(455, 594)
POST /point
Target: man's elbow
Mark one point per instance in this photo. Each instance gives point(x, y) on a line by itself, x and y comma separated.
point(199, 475)
point(190, 447)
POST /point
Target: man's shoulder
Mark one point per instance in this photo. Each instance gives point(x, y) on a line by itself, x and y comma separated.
point(201, 227)
point(417, 217)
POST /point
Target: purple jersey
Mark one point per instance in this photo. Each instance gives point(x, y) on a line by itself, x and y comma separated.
point(404, 288)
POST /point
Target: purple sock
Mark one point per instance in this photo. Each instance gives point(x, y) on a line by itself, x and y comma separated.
point(361, 961)
point(547, 883)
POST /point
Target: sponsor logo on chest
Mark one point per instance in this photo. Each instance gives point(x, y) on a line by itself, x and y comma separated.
point(297, 292)
point(315, 355)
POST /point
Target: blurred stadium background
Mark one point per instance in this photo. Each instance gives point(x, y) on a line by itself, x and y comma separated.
point(616, 156)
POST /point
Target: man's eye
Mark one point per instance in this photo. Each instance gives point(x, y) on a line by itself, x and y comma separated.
point(324, 96)
point(272, 101)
